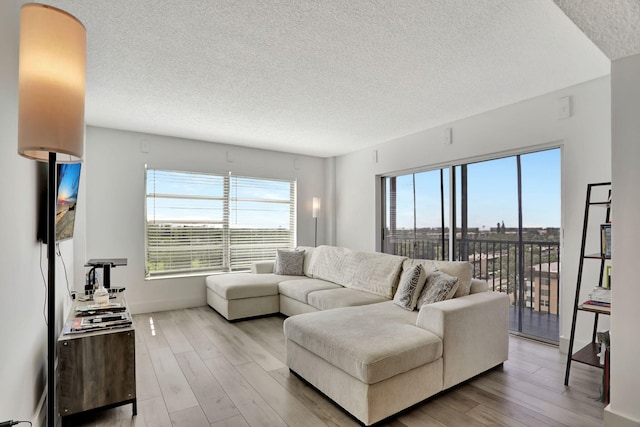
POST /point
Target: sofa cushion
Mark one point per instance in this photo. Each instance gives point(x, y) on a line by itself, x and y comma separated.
point(463, 270)
point(308, 254)
point(411, 283)
point(341, 297)
point(300, 289)
point(372, 272)
point(371, 343)
point(245, 285)
point(439, 286)
point(289, 263)
point(478, 285)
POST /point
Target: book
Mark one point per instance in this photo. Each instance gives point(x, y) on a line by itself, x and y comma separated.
point(600, 294)
point(598, 303)
point(604, 308)
point(95, 309)
point(605, 240)
point(95, 323)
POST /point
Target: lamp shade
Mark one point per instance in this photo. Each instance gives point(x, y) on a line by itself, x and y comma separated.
point(316, 207)
point(52, 70)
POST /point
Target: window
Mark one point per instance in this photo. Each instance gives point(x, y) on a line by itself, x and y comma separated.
point(198, 223)
point(416, 215)
point(502, 215)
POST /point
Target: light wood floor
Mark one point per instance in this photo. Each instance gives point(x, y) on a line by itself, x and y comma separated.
point(196, 369)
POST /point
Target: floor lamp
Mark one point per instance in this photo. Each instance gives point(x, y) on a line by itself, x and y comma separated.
point(314, 212)
point(51, 91)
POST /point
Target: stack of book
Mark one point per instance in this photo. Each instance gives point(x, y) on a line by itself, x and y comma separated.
point(599, 299)
point(93, 317)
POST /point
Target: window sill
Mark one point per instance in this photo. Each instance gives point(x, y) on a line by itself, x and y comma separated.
point(188, 275)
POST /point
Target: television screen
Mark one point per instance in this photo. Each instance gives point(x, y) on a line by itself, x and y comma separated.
point(67, 197)
point(68, 182)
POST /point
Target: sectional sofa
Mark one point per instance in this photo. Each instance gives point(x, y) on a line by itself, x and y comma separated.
point(350, 338)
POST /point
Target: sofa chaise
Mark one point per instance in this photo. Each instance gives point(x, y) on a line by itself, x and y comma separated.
point(347, 335)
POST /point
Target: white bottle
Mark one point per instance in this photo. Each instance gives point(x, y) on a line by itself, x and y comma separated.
point(101, 296)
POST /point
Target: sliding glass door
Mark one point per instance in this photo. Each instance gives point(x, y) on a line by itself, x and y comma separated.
point(417, 215)
point(506, 221)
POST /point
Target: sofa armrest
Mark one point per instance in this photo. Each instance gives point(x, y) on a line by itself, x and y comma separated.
point(262, 267)
point(474, 330)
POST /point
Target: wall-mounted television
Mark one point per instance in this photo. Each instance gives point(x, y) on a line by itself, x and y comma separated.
point(68, 178)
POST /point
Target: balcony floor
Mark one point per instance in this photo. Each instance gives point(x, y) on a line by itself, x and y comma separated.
point(535, 324)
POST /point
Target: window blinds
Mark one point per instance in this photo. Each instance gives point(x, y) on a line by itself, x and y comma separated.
point(199, 222)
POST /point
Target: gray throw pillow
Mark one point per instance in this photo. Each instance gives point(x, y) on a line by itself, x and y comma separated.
point(411, 284)
point(439, 286)
point(289, 262)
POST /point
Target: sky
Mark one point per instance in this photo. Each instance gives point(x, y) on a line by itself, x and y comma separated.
point(492, 193)
point(254, 202)
point(69, 180)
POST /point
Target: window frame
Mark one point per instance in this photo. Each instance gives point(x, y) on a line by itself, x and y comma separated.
point(229, 205)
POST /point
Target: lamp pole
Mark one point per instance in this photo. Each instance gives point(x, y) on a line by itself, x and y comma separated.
point(51, 289)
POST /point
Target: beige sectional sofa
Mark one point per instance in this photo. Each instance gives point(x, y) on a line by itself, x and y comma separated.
point(346, 336)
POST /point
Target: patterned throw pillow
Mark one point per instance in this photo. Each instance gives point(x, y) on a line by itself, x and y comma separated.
point(289, 263)
point(411, 284)
point(439, 286)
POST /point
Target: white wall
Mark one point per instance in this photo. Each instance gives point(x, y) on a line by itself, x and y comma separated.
point(115, 199)
point(22, 325)
point(586, 149)
point(625, 343)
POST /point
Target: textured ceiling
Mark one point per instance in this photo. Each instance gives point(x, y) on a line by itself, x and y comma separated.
point(321, 77)
point(613, 25)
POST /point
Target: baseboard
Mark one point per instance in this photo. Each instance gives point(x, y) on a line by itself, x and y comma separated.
point(563, 344)
point(612, 419)
point(149, 306)
point(39, 417)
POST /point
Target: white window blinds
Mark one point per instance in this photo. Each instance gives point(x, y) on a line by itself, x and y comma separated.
point(199, 222)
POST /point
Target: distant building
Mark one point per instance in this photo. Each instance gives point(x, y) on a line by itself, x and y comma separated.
point(544, 279)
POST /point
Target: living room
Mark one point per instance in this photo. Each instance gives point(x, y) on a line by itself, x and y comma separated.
point(598, 143)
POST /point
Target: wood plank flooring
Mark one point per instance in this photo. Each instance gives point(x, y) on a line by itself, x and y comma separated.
point(194, 369)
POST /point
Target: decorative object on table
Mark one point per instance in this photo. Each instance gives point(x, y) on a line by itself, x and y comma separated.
point(51, 92)
point(101, 296)
point(603, 340)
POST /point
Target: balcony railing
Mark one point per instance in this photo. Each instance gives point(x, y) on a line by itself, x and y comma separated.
point(534, 285)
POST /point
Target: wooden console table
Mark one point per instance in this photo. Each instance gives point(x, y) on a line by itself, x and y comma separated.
point(96, 369)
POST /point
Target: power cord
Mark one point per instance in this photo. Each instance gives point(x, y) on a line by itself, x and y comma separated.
point(13, 423)
point(44, 281)
point(59, 253)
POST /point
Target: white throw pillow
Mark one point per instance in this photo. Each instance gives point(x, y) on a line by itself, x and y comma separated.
point(411, 284)
point(439, 286)
point(290, 263)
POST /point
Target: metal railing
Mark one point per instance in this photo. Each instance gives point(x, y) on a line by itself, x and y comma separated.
point(497, 262)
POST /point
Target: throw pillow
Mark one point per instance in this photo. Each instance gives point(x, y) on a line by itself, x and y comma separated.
point(439, 286)
point(411, 284)
point(289, 263)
